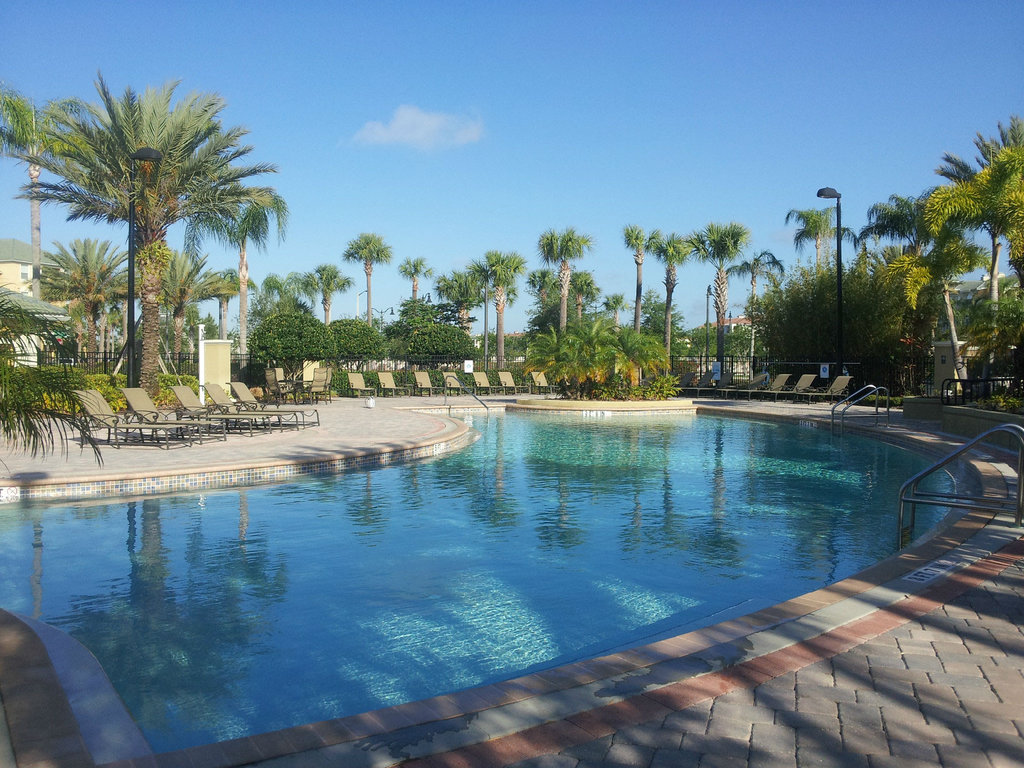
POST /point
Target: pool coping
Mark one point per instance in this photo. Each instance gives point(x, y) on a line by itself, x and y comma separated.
point(29, 685)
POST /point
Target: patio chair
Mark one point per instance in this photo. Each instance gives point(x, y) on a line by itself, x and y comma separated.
point(748, 388)
point(725, 385)
point(388, 386)
point(481, 383)
point(278, 388)
point(244, 398)
point(320, 386)
point(705, 382)
point(685, 379)
point(192, 407)
point(423, 384)
point(777, 387)
point(835, 390)
point(452, 385)
point(509, 384)
point(539, 383)
point(803, 384)
point(99, 415)
point(358, 385)
point(143, 410)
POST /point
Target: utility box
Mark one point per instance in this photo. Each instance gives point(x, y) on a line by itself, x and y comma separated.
point(944, 366)
point(216, 363)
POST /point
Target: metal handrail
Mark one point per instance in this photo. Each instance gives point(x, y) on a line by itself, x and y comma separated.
point(464, 389)
point(856, 397)
point(911, 494)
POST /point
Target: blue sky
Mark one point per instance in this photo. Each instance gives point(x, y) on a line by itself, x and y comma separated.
point(454, 128)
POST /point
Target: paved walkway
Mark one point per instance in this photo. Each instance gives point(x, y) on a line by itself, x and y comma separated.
point(907, 676)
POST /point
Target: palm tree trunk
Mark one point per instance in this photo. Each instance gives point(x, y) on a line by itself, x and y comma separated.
point(499, 325)
point(639, 259)
point(415, 288)
point(721, 305)
point(564, 275)
point(37, 257)
point(670, 287)
point(90, 329)
point(243, 301)
point(150, 332)
point(326, 304)
point(223, 318)
point(368, 269)
point(959, 369)
point(753, 298)
point(179, 331)
point(993, 269)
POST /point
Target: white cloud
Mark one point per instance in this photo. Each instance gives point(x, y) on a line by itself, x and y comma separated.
point(423, 130)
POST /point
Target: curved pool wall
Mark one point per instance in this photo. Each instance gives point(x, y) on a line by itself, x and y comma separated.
point(548, 675)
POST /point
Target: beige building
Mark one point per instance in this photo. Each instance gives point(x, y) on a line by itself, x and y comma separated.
point(16, 265)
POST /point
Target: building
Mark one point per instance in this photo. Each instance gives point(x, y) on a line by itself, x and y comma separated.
point(16, 265)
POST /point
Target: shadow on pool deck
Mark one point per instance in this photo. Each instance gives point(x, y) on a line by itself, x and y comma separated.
point(773, 687)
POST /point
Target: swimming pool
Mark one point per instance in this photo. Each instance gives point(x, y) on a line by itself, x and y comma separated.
point(552, 538)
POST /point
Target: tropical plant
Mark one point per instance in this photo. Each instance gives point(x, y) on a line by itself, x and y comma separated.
point(355, 340)
point(583, 290)
point(562, 248)
point(464, 291)
point(542, 283)
point(435, 341)
point(581, 358)
point(960, 171)
point(250, 224)
point(413, 270)
point(636, 352)
point(290, 340)
point(227, 288)
point(761, 264)
point(368, 249)
point(615, 303)
point(671, 251)
point(817, 225)
point(639, 241)
point(26, 133)
point(481, 272)
point(196, 181)
point(720, 245)
point(322, 283)
point(87, 274)
point(186, 282)
point(279, 295)
point(505, 269)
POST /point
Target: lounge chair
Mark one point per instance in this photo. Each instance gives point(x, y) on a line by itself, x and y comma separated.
point(424, 386)
point(143, 410)
point(358, 385)
point(776, 388)
point(481, 383)
point(705, 382)
point(834, 390)
point(539, 383)
point(803, 384)
point(387, 384)
point(99, 415)
point(509, 384)
point(320, 386)
point(724, 385)
point(452, 385)
point(748, 388)
point(245, 400)
point(192, 407)
point(685, 379)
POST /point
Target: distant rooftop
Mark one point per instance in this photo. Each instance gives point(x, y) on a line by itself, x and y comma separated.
point(16, 251)
point(33, 305)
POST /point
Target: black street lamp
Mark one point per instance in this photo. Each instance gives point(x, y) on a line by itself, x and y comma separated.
point(381, 313)
point(707, 326)
point(831, 194)
point(151, 155)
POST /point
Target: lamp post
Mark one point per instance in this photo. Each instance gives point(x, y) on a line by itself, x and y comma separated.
point(357, 303)
point(151, 155)
point(829, 193)
point(381, 313)
point(707, 326)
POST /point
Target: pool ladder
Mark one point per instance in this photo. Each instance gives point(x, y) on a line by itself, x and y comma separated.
point(851, 400)
point(911, 493)
point(467, 391)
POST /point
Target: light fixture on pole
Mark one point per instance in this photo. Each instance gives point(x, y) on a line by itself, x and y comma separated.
point(829, 193)
point(357, 303)
point(150, 155)
point(381, 313)
point(707, 326)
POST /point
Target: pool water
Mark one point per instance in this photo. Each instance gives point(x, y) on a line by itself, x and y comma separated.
point(552, 538)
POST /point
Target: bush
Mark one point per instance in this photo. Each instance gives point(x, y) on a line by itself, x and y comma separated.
point(355, 340)
point(441, 341)
point(291, 339)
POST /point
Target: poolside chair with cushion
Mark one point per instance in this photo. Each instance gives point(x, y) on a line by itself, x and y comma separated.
point(424, 386)
point(481, 383)
point(358, 385)
point(685, 379)
point(192, 407)
point(725, 385)
point(99, 415)
point(539, 383)
point(776, 388)
point(319, 387)
point(245, 400)
point(452, 385)
point(834, 391)
point(748, 388)
point(143, 410)
point(509, 384)
point(803, 384)
point(278, 388)
point(387, 384)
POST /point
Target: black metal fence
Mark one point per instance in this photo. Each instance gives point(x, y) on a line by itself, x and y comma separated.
point(961, 391)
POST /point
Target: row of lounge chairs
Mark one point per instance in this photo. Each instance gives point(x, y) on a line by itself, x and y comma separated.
point(191, 420)
point(761, 387)
point(451, 384)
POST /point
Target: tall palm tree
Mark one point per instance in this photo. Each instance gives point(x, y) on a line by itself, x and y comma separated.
point(927, 257)
point(26, 132)
point(615, 303)
point(671, 251)
point(960, 171)
point(761, 264)
point(541, 283)
point(584, 291)
point(186, 282)
point(413, 270)
point(817, 226)
point(228, 287)
point(369, 249)
point(88, 274)
point(505, 269)
point(636, 239)
point(461, 289)
point(250, 224)
point(720, 245)
point(561, 248)
point(322, 283)
point(196, 182)
point(480, 270)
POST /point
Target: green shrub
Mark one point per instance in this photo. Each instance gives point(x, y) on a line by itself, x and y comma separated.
point(289, 340)
point(355, 340)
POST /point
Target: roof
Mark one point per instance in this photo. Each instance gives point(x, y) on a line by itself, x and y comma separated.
point(16, 251)
point(34, 305)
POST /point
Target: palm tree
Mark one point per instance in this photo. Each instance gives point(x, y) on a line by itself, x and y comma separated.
point(249, 225)
point(671, 251)
point(505, 269)
point(369, 249)
point(636, 352)
point(960, 171)
point(761, 264)
point(636, 239)
point(584, 291)
point(481, 272)
point(541, 282)
point(322, 283)
point(196, 181)
point(25, 132)
point(561, 248)
point(615, 303)
point(461, 289)
point(926, 258)
point(88, 274)
point(186, 282)
point(720, 245)
point(413, 270)
point(228, 287)
point(816, 226)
